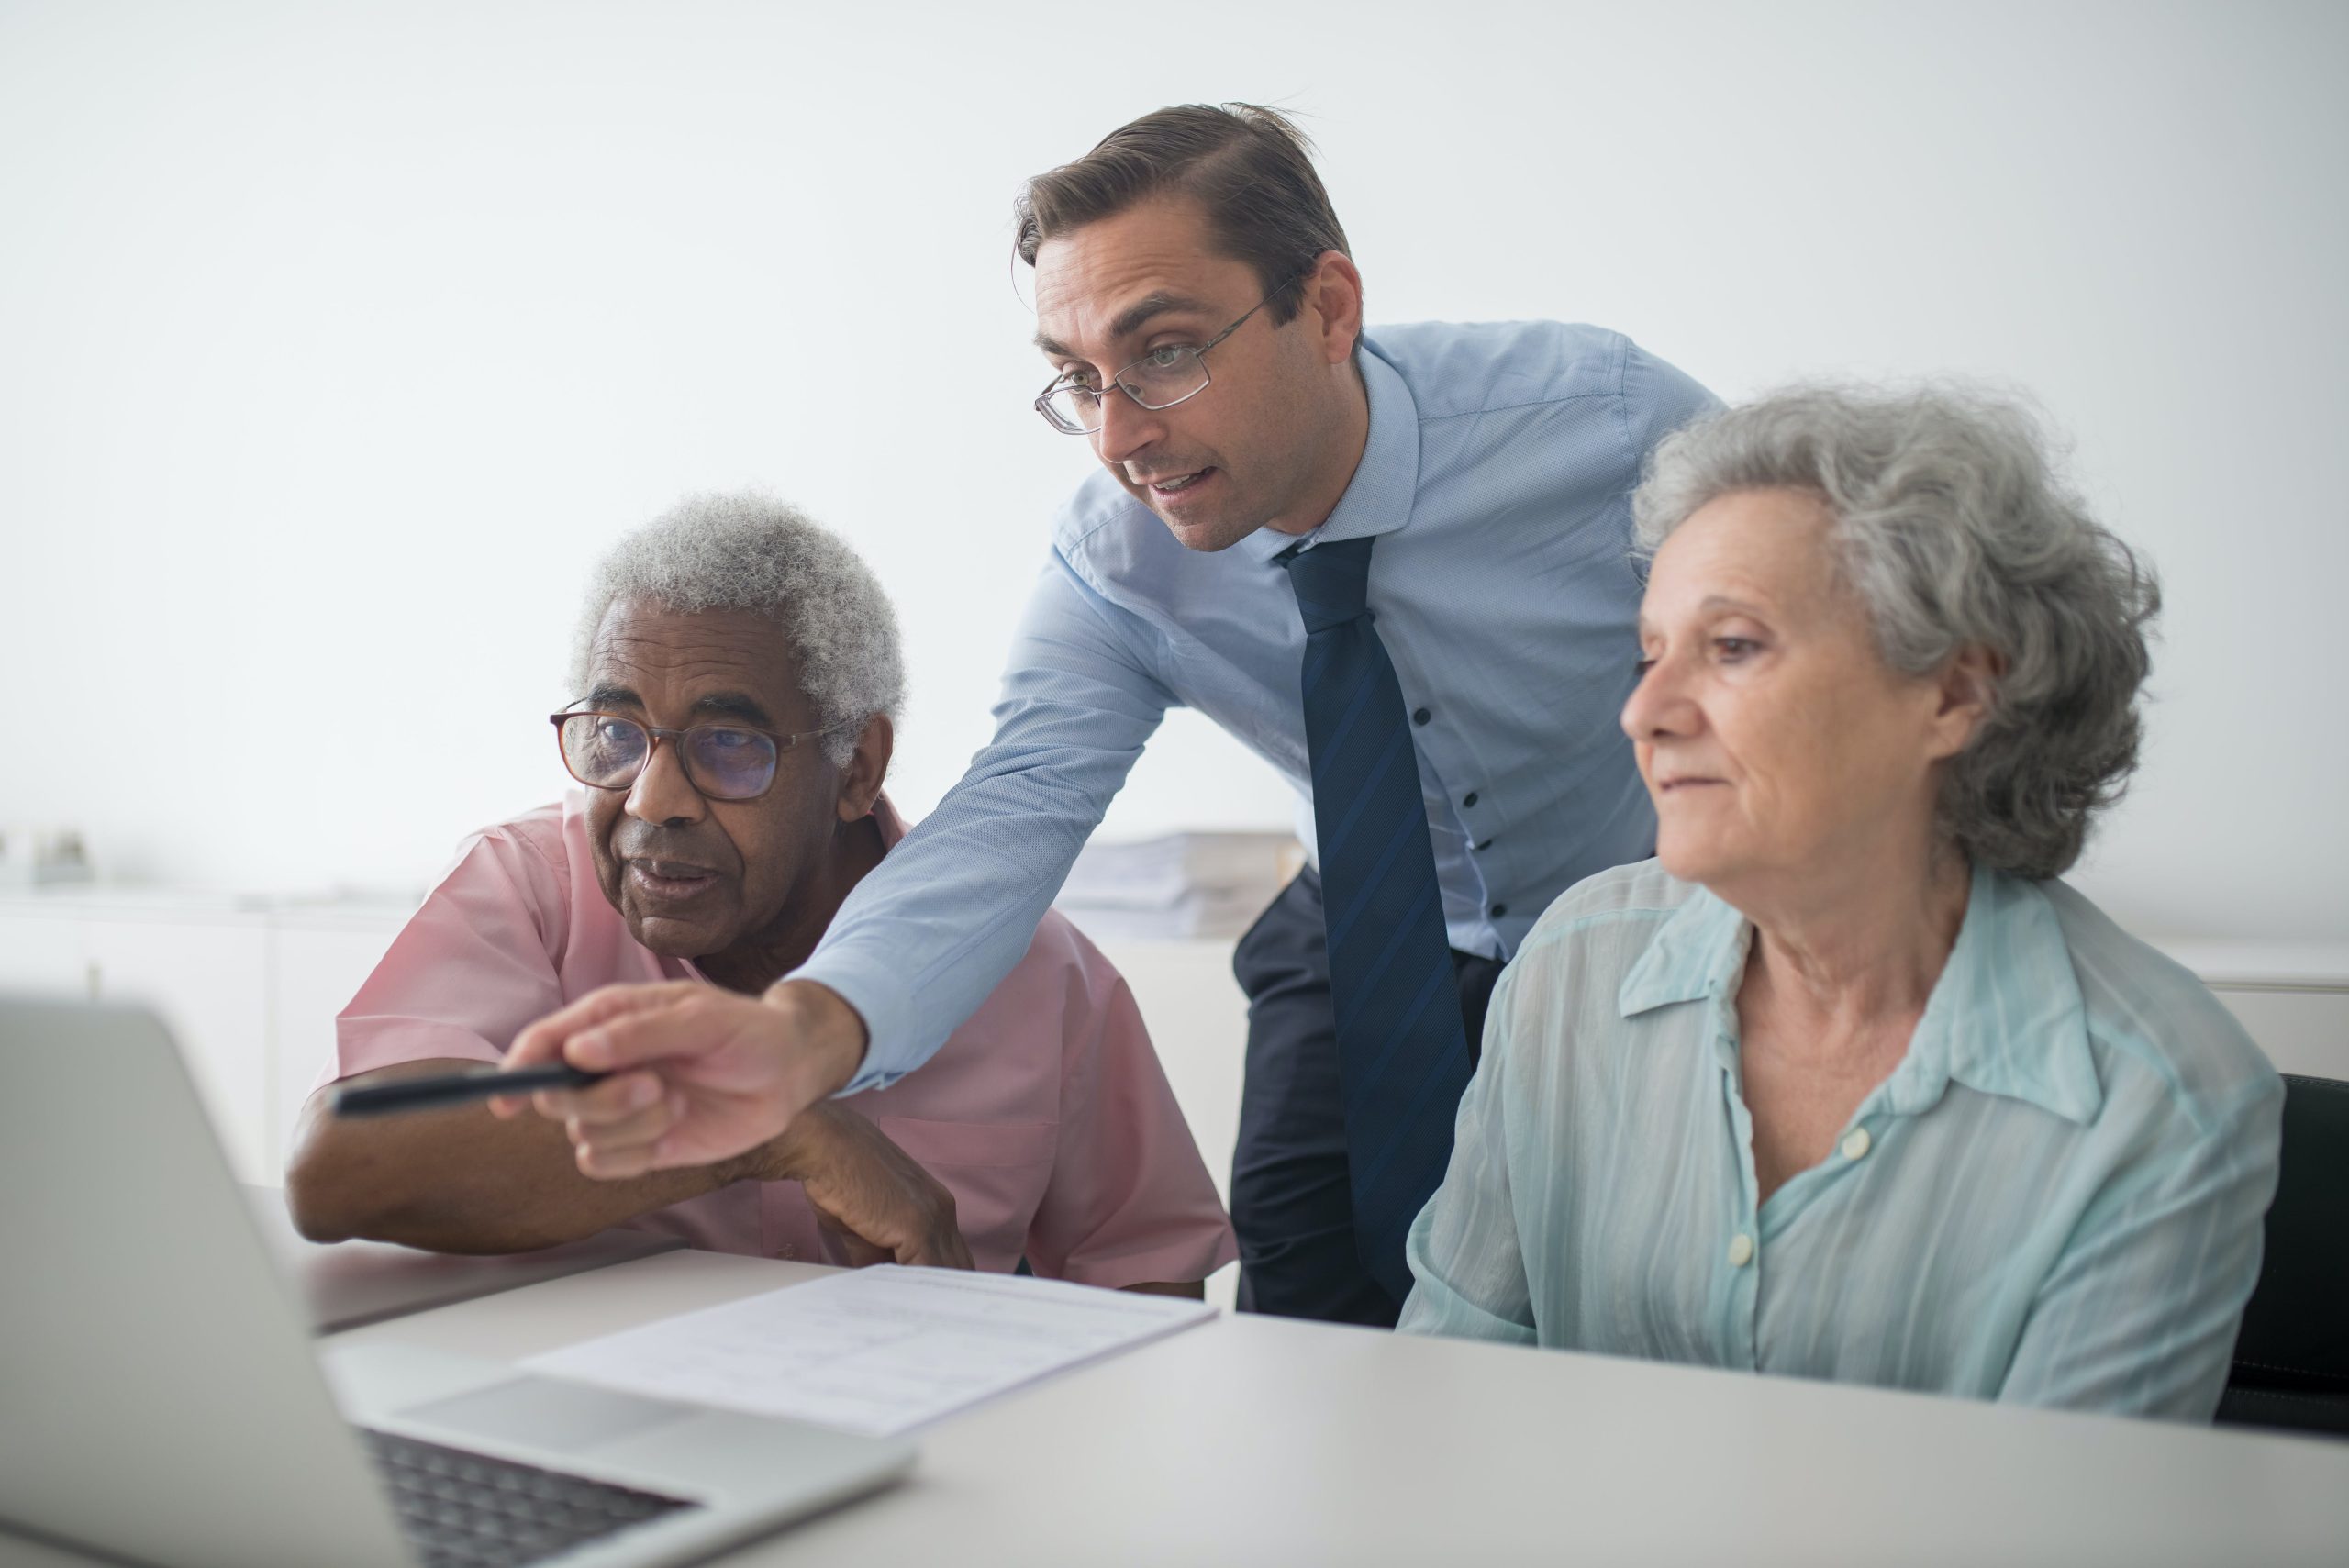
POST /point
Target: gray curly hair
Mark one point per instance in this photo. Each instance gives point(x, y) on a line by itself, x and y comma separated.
point(747, 550)
point(1951, 523)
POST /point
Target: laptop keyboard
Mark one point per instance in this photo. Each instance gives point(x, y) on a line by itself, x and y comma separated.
point(465, 1510)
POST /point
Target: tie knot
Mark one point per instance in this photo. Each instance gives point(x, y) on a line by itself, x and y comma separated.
point(1331, 581)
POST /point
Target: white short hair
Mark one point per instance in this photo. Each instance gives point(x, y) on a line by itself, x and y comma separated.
point(746, 551)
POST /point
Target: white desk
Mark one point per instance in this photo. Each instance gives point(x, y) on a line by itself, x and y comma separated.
point(1257, 1440)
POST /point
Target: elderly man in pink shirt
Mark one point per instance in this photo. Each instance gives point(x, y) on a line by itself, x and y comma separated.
point(738, 672)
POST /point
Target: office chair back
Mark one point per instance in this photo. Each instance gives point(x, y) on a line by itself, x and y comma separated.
point(2291, 1360)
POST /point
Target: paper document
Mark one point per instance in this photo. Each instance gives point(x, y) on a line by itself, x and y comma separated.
point(879, 1350)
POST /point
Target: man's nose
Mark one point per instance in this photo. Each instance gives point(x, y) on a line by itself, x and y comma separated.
point(661, 792)
point(1126, 427)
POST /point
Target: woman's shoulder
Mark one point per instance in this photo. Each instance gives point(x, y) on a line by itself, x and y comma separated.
point(1595, 934)
point(1623, 901)
point(1561, 1006)
point(2148, 1014)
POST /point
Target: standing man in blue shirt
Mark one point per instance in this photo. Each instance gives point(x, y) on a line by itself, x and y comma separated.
point(1396, 566)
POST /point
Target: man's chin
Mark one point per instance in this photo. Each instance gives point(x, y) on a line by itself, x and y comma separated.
point(1204, 519)
point(1206, 534)
point(673, 937)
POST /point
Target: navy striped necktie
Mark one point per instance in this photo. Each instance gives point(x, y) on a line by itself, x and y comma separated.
point(1402, 1048)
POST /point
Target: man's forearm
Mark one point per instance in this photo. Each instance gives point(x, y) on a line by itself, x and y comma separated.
point(461, 1181)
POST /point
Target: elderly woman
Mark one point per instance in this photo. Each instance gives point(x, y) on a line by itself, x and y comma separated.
point(1844, 1083)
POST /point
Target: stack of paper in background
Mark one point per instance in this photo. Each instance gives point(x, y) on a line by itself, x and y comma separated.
point(1184, 884)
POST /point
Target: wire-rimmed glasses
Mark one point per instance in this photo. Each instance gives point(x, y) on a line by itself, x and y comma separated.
point(1160, 379)
point(724, 762)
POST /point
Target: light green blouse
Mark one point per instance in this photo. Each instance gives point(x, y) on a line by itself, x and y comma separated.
point(2055, 1198)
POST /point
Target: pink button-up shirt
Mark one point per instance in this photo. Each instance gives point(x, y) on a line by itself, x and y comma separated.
point(1046, 1114)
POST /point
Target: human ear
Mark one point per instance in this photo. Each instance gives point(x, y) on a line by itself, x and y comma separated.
point(1966, 689)
point(866, 767)
point(1333, 293)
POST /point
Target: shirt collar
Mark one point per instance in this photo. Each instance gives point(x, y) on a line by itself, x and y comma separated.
point(1698, 953)
point(2005, 1017)
point(1378, 498)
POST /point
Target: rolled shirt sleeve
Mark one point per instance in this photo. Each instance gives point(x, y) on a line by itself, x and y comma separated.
point(472, 967)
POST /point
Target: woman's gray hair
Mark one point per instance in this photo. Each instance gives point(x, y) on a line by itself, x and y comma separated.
point(1951, 523)
point(749, 551)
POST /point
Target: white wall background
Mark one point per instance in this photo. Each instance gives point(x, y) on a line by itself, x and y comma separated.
point(335, 342)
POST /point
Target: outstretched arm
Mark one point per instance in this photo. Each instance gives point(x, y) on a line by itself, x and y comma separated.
point(458, 1180)
point(461, 1181)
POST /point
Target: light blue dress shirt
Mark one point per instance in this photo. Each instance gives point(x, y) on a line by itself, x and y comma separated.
point(2055, 1198)
point(1497, 474)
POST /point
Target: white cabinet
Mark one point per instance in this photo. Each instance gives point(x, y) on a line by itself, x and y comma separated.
point(320, 965)
point(42, 955)
point(248, 993)
point(210, 984)
point(204, 971)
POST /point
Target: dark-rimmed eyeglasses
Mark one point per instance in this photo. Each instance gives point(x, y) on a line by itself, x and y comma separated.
point(1160, 379)
point(724, 762)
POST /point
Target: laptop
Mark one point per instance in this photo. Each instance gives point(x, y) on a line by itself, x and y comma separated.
point(161, 1398)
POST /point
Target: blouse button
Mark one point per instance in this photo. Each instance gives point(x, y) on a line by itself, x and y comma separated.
point(1741, 1251)
point(1858, 1144)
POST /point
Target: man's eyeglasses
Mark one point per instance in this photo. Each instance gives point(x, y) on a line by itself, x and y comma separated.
point(1160, 379)
point(724, 762)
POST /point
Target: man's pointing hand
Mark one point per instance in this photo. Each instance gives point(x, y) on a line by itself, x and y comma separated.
point(697, 1074)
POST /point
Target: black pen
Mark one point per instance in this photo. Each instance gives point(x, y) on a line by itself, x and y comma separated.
point(423, 1094)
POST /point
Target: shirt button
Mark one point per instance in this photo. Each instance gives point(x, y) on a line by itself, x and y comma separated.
point(1741, 1251)
point(1858, 1144)
point(1468, 800)
point(1420, 715)
point(1499, 910)
point(789, 1253)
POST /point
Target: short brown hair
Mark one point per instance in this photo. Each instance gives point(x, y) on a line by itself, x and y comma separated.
point(1246, 164)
